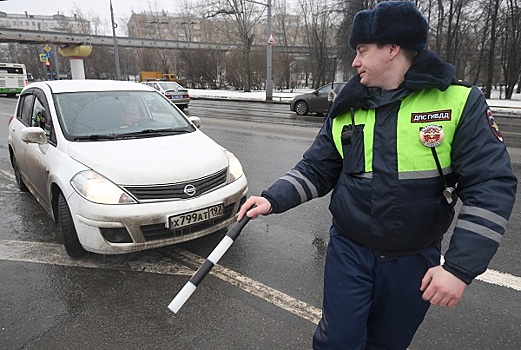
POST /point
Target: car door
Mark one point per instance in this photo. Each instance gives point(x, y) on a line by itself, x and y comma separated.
point(37, 155)
point(22, 121)
point(320, 104)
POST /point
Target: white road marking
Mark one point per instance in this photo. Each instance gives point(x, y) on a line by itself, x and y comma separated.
point(7, 175)
point(54, 254)
point(499, 278)
point(273, 296)
point(50, 253)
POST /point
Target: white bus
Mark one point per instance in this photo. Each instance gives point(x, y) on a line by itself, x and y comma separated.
point(13, 78)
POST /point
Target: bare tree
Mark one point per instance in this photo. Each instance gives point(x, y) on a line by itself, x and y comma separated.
point(510, 43)
point(320, 27)
point(243, 15)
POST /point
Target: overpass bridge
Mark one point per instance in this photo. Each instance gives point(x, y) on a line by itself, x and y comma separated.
point(75, 39)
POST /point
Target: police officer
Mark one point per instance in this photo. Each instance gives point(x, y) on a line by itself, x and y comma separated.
point(403, 141)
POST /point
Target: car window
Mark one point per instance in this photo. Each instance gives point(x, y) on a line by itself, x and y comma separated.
point(24, 113)
point(170, 85)
point(109, 114)
point(324, 90)
point(40, 118)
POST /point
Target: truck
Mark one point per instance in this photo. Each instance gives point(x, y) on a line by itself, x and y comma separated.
point(157, 75)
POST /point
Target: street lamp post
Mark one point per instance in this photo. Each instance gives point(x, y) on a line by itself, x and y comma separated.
point(116, 53)
point(269, 46)
point(269, 75)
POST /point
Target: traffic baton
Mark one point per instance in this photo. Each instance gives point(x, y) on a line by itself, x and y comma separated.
point(208, 264)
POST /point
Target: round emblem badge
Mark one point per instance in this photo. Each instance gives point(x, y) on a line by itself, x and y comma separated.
point(431, 135)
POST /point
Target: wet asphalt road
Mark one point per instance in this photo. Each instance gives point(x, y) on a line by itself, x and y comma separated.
point(265, 293)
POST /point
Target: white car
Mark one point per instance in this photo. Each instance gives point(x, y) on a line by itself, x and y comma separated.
point(114, 186)
point(172, 90)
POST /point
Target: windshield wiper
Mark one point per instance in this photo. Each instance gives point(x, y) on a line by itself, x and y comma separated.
point(94, 137)
point(156, 132)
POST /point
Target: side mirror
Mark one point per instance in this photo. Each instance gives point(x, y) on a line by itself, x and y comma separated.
point(34, 134)
point(196, 121)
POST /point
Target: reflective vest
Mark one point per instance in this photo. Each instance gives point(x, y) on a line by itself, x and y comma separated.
point(430, 107)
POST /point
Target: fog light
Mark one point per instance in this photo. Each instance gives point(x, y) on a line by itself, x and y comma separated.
point(116, 235)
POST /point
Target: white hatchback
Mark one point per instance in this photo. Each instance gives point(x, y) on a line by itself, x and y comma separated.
point(119, 168)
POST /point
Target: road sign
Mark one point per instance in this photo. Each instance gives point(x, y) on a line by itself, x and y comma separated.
point(47, 48)
point(43, 57)
point(271, 40)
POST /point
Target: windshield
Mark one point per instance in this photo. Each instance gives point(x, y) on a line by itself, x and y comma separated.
point(114, 114)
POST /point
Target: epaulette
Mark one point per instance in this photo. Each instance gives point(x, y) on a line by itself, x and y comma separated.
point(461, 82)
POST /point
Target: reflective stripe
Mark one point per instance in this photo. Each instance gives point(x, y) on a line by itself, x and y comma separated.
point(485, 214)
point(480, 230)
point(312, 188)
point(364, 175)
point(427, 174)
point(297, 186)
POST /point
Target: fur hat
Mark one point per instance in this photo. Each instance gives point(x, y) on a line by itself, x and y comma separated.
point(391, 22)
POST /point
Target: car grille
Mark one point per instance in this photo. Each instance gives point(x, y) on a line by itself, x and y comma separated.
point(177, 190)
point(160, 231)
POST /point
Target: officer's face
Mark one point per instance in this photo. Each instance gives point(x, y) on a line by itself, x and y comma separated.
point(372, 64)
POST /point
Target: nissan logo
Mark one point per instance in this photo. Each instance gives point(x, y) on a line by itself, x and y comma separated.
point(189, 190)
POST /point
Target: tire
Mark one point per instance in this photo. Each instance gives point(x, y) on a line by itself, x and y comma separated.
point(19, 181)
point(71, 242)
point(301, 108)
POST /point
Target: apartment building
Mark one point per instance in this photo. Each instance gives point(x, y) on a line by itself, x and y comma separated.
point(54, 23)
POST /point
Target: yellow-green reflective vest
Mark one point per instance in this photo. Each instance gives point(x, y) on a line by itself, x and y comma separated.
point(426, 107)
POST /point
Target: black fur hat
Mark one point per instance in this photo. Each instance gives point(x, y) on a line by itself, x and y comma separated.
point(391, 22)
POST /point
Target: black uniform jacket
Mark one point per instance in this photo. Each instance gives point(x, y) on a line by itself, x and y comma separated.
point(396, 217)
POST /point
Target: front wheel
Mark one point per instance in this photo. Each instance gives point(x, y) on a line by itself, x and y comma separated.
point(66, 227)
point(301, 108)
point(18, 176)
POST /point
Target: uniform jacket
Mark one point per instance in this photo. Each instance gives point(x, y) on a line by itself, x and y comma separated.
point(396, 216)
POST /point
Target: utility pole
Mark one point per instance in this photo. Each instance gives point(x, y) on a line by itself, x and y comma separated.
point(116, 53)
point(269, 74)
point(269, 47)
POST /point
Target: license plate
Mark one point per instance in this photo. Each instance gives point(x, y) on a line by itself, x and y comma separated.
point(195, 217)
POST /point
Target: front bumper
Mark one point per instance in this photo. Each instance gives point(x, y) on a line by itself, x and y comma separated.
point(146, 223)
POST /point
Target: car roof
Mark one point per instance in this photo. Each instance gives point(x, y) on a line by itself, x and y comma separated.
point(77, 85)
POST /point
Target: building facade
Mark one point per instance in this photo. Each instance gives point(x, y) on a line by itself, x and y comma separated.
point(54, 23)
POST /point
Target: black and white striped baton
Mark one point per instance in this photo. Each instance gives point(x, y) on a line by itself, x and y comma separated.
point(212, 259)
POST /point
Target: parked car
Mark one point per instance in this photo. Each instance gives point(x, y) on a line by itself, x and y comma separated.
point(115, 187)
point(314, 102)
point(172, 90)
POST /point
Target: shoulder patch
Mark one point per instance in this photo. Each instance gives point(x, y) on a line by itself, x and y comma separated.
point(494, 126)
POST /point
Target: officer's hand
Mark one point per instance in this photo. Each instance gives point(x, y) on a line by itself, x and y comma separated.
point(442, 288)
point(261, 206)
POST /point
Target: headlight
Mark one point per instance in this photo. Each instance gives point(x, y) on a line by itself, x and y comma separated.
point(234, 167)
point(98, 189)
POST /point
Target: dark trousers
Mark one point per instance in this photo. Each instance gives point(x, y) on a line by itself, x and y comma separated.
point(371, 301)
